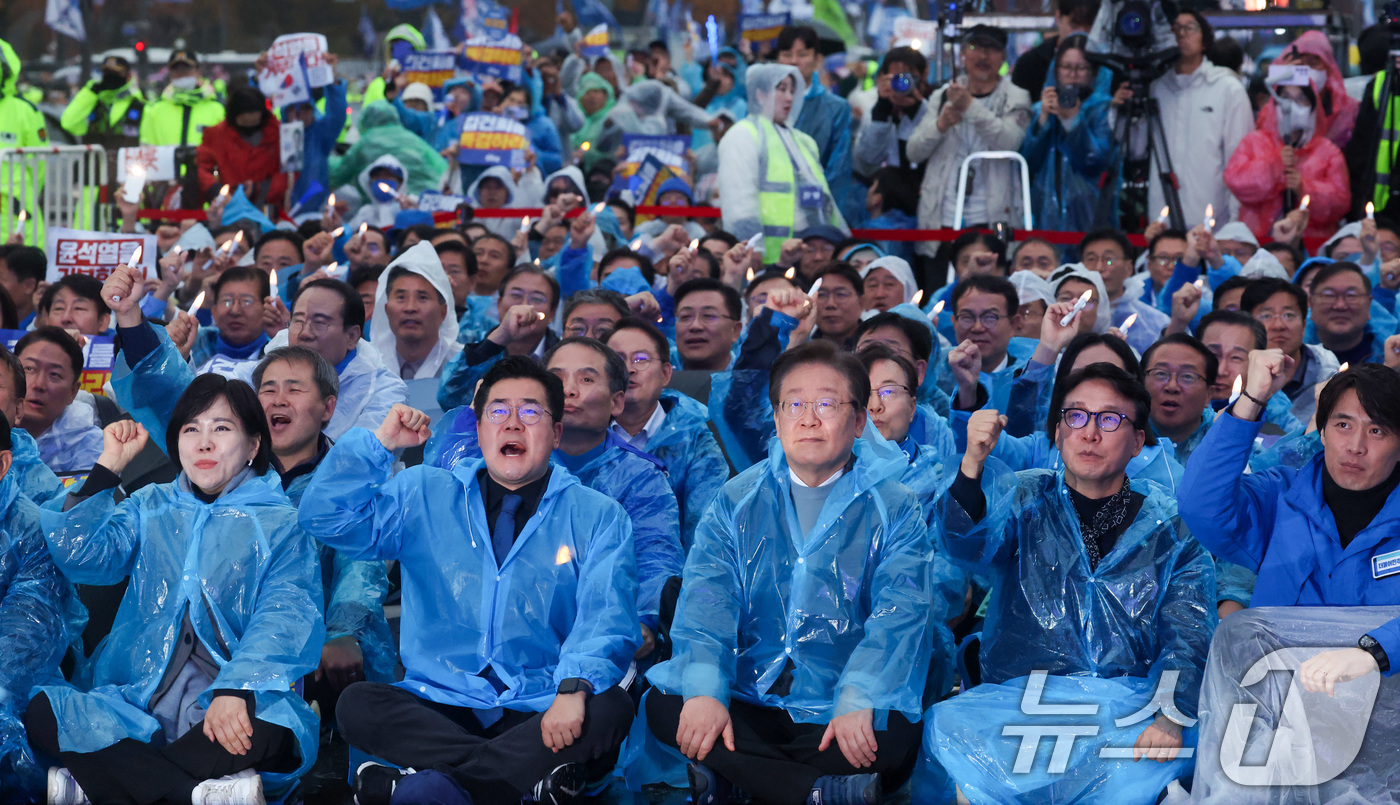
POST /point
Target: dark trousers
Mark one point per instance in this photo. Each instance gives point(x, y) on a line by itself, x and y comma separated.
point(776, 760)
point(130, 771)
point(499, 763)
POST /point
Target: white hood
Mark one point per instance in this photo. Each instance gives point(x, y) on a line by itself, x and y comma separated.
point(422, 259)
point(897, 266)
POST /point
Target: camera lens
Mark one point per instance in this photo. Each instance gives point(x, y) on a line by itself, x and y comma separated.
point(1132, 23)
point(902, 82)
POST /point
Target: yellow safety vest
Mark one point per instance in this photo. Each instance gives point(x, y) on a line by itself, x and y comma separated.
point(777, 185)
point(1389, 135)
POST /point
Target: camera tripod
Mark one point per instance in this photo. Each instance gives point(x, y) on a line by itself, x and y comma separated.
point(1140, 110)
point(1390, 84)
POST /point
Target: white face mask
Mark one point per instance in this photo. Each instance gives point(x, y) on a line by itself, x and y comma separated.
point(1295, 121)
point(188, 82)
point(1319, 78)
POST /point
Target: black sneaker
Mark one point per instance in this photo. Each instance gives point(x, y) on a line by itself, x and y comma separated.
point(561, 786)
point(375, 782)
point(709, 788)
point(846, 789)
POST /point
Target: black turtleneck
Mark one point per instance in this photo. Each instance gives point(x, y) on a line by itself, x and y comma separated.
point(1352, 510)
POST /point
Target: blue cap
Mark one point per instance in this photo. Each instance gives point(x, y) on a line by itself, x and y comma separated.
point(829, 234)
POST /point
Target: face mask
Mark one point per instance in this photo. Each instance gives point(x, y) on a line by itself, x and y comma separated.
point(188, 82)
point(400, 49)
point(1319, 78)
point(516, 112)
point(384, 190)
point(1295, 122)
point(112, 80)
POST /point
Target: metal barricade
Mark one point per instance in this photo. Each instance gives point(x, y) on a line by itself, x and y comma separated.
point(59, 185)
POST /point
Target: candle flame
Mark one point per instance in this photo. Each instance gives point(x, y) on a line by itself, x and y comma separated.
point(364, 227)
point(1086, 296)
point(750, 275)
point(918, 297)
point(1343, 368)
point(1165, 213)
point(338, 231)
point(790, 273)
point(223, 191)
point(585, 147)
point(525, 223)
point(563, 556)
point(330, 200)
point(135, 257)
point(1210, 211)
point(23, 215)
point(694, 244)
point(384, 187)
point(597, 208)
point(136, 170)
point(333, 267)
point(198, 302)
point(1199, 283)
point(938, 307)
point(1370, 209)
point(1237, 388)
point(272, 280)
point(1307, 199)
point(1127, 323)
point(238, 238)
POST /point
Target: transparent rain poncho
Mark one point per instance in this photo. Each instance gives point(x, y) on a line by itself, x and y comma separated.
point(242, 572)
point(1147, 609)
point(695, 466)
point(630, 477)
point(1264, 739)
point(562, 606)
point(32, 475)
point(39, 613)
point(382, 134)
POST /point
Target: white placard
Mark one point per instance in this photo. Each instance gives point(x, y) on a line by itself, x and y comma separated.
point(295, 64)
point(158, 160)
point(292, 138)
point(97, 254)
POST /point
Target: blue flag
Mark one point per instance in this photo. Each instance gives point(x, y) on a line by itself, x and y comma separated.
point(591, 13)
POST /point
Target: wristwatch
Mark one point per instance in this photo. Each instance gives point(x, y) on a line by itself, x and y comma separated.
point(1369, 645)
point(575, 685)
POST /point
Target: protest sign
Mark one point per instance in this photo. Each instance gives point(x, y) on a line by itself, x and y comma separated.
point(292, 139)
point(434, 201)
point(157, 160)
point(432, 68)
point(917, 33)
point(96, 254)
point(496, 58)
point(595, 42)
point(761, 30)
point(296, 63)
point(99, 357)
point(489, 139)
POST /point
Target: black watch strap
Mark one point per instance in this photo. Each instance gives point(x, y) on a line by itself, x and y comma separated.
point(574, 685)
point(1371, 646)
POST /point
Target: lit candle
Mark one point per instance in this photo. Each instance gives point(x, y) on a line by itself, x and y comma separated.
point(1127, 324)
point(1079, 305)
point(272, 281)
point(1200, 283)
point(223, 192)
point(937, 308)
point(790, 273)
point(597, 208)
point(1163, 215)
point(135, 181)
point(330, 201)
point(1210, 217)
point(525, 224)
point(364, 227)
point(695, 244)
point(816, 286)
point(1304, 205)
point(338, 231)
point(21, 218)
point(918, 297)
point(1237, 389)
point(1343, 368)
point(197, 303)
point(332, 268)
point(584, 148)
point(1370, 211)
point(750, 275)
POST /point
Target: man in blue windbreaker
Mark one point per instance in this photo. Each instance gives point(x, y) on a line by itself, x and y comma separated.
point(1326, 534)
point(802, 634)
point(519, 600)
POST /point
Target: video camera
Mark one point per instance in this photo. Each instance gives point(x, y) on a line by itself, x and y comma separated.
point(1134, 37)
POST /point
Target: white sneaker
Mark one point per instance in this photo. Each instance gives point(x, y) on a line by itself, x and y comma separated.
point(243, 788)
point(64, 790)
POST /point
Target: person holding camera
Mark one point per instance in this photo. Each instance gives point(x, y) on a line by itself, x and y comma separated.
point(980, 110)
point(1069, 142)
point(902, 87)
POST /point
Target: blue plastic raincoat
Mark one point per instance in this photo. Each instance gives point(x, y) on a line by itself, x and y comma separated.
point(31, 474)
point(239, 569)
point(74, 440)
point(1277, 524)
point(1067, 163)
point(695, 466)
point(560, 607)
point(37, 606)
point(1149, 607)
point(623, 473)
point(354, 591)
point(850, 604)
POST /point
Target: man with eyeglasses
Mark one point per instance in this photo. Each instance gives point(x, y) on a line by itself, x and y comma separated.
point(511, 689)
point(525, 308)
point(1037, 256)
point(802, 634)
point(1341, 312)
point(1108, 252)
point(665, 423)
point(838, 304)
point(595, 380)
point(1282, 307)
point(1070, 553)
point(1205, 114)
point(241, 327)
point(1164, 250)
point(708, 324)
point(986, 314)
point(1179, 372)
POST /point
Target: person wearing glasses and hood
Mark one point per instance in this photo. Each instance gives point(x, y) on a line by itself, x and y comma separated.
point(1287, 157)
point(1070, 552)
point(770, 177)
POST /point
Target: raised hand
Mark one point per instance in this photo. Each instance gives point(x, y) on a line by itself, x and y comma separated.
point(984, 427)
point(121, 293)
point(966, 362)
point(122, 441)
point(403, 427)
point(520, 321)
